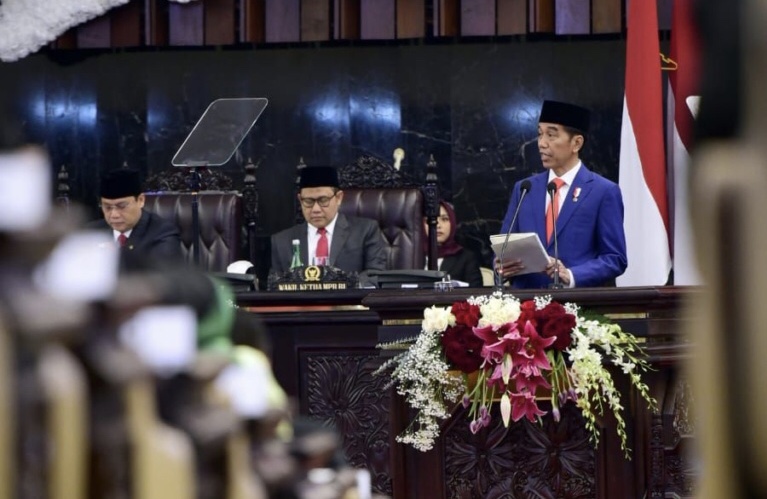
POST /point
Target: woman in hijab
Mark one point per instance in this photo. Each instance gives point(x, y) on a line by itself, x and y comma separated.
point(461, 264)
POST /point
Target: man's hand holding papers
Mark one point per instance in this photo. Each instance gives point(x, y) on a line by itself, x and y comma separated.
point(523, 254)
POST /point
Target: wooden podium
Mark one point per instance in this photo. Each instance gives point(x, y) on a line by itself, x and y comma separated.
point(325, 353)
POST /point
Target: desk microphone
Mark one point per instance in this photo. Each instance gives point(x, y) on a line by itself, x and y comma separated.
point(552, 188)
point(524, 188)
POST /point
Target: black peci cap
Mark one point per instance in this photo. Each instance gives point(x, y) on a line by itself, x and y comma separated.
point(120, 183)
point(565, 114)
point(318, 176)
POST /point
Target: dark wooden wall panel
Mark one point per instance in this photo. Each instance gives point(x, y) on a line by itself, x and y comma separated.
point(477, 17)
point(252, 21)
point(282, 20)
point(186, 24)
point(447, 17)
point(347, 20)
point(411, 19)
point(541, 16)
point(68, 40)
point(95, 33)
point(156, 23)
point(219, 22)
point(377, 19)
point(512, 17)
point(572, 17)
point(315, 20)
point(664, 14)
point(606, 16)
point(126, 25)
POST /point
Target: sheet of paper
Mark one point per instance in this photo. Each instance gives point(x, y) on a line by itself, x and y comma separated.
point(525, 246)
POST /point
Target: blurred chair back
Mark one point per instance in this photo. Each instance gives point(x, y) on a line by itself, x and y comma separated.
point(7, 413)
point(400, 216)
point(220, 215)
point(66, 398)
point(163, 461)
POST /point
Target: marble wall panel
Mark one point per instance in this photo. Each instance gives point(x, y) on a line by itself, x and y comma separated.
point(473, 106)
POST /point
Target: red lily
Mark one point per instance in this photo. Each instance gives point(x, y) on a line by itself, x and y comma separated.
point(499, 341)
point(523, 405)
point(536, 346)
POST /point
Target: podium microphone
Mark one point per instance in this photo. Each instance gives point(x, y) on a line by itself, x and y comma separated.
point(552, 188)
point(524, 188)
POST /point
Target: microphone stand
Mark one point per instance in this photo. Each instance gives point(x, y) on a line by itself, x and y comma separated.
point(195, 184)
point(524, 189)
point(554, 215)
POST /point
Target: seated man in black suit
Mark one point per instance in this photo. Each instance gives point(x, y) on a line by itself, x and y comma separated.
point(133, 228)
point(349, 243)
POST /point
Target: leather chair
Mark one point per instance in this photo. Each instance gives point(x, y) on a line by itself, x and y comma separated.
point(220, 215)
point(399, 213)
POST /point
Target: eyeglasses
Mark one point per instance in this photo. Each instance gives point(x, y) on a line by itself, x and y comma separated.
point(324, 201)
point(107, 208)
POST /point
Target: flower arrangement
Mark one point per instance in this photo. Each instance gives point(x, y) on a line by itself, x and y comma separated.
point(516, 352)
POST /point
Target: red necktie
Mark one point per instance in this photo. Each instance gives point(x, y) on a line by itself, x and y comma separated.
point(122, 240)
point(322, 247)
point(549, 218)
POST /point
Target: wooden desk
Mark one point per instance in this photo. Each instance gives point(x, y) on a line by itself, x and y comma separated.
point(324, 352)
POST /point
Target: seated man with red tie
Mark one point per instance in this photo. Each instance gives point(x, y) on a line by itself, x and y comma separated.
point(351, 244)
point(135, 229)
point(587, 209)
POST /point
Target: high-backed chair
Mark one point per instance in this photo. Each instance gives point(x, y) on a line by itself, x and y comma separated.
point(399, 213)
point(225, 215)
point(220, 222)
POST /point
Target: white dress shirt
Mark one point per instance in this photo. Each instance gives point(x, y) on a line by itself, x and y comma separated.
point(116, 234)
point(568, 178)
point(313, 236)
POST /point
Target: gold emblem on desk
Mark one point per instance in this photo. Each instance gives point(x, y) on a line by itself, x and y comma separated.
point(312, 273)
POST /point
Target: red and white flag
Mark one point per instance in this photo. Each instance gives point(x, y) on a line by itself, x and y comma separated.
point(683, 87)
point(642, 176)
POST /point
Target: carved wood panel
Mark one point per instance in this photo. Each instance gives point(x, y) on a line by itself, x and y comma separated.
point(552, 460)
point(341, 391)
point(368, 172)
point(181, 180)
point(680, 470)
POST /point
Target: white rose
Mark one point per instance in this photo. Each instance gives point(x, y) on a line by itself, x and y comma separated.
point(497, 312)
point(437, 319)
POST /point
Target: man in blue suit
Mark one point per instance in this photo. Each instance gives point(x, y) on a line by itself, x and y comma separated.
point(589, 218)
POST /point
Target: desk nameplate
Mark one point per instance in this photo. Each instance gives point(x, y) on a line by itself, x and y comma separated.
point(312, 278)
